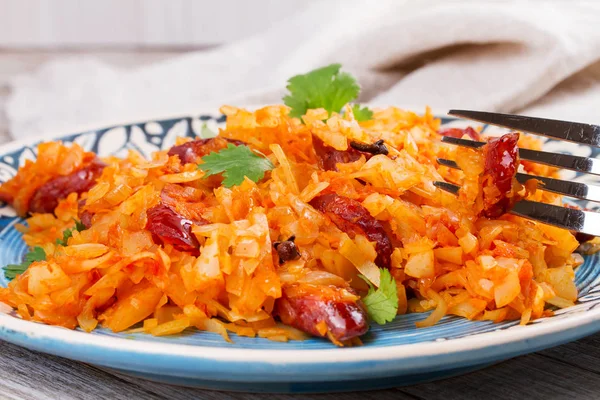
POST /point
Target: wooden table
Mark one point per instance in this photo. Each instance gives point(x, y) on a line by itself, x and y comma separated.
point(571, 371)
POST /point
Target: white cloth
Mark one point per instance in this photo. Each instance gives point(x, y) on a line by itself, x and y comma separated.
point(496, 56)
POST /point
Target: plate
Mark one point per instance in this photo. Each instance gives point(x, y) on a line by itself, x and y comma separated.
point(393, 355)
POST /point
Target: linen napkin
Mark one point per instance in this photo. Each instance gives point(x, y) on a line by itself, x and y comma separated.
point(524, 56)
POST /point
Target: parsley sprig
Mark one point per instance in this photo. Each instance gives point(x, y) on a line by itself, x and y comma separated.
point(67, 233)
point(326, 88)
point(361, 114)
point(382, 304)
point(36, 254)
point(235, 163)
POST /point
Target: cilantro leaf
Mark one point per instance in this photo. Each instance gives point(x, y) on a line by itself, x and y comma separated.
point(79, 226)
point(67, 233)
point(325, 87)
point(362, 114)
point(206, 132)
point(235, 163)
point(36, 254)
point(382, 304)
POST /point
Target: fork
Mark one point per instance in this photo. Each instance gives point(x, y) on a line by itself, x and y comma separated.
point(586, 222)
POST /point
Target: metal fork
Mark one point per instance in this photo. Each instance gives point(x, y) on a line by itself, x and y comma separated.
point(586, 222)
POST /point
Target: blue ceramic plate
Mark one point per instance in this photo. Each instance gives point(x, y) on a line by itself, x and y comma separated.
point(393, 355)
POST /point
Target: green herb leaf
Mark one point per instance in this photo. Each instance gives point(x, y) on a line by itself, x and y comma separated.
point(206, 132)
point(67, 233)
point(12, 270)
point(235, 163)
point(35, 254)
point(361, 114)
point(382, 304)
point(79, 226)
point(325, 87)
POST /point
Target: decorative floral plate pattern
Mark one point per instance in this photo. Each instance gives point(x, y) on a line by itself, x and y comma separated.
point(393, 355)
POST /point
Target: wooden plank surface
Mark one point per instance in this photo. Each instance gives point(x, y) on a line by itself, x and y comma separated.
point(31, 375)
point(571, 371)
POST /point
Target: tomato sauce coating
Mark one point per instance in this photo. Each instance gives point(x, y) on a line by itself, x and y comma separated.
point(306, 306)
point(351, 217)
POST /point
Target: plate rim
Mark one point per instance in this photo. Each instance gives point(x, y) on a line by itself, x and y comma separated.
point(221, 364)
point(39, 331)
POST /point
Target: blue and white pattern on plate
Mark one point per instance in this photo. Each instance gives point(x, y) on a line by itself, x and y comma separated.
point(393, 355)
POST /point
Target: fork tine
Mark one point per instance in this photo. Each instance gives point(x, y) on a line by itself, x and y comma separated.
point(566, 161)
point(448, 187)
point(447, 163)
point(571, 131)
point(463, 142)
point(577, 190)
point(563, 217)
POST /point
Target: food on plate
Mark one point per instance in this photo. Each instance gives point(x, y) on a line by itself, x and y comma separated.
point(317, 217)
